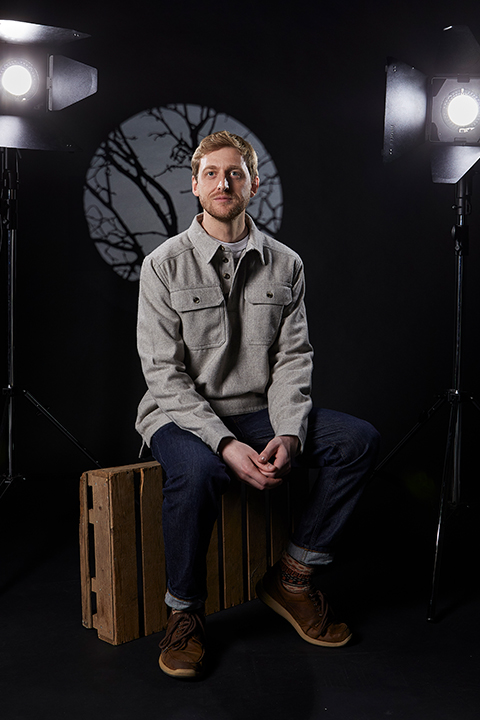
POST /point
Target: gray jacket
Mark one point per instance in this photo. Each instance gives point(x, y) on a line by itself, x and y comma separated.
point(215, 340)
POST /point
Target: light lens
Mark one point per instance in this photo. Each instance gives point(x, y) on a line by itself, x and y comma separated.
point(20, 79)
point(17, 80)
point(463, 110)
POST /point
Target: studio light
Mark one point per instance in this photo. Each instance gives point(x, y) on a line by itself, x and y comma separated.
point(443, 110)
point(34, 81)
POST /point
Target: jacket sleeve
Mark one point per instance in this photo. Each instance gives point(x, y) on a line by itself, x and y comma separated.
point(291, 365)
point(162, 352)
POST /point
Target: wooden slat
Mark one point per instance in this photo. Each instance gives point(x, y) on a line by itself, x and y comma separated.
point(215, 598)
point(153, 555)
point(103, 620)
point(256, 539)
point(232, 546)
point(85, 577)
point(136, 467)
point(124, 556)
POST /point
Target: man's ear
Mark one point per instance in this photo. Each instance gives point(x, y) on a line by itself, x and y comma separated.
point(195, 186)
point(255, 185)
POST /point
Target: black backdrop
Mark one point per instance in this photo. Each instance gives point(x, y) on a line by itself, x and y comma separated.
point(308, 79)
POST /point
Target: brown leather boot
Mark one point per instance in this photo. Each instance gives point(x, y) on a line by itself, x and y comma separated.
point(307, 611)
point(183, 647)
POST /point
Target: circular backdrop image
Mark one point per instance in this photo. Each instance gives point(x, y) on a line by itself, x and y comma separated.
point(138, 186)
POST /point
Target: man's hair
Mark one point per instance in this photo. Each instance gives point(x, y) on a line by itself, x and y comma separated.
point(222, 139)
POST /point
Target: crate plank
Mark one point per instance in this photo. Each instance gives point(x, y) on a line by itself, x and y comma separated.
point(233, 586)
point(256, 539)
point(85, 576)
point(124, 555)
point(152, 548)
point(214, 601)
point(99, 514)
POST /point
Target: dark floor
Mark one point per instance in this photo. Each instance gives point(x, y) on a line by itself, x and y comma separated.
point(398, 666)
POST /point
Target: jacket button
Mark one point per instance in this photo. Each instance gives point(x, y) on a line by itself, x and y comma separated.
point(196, 300)
point(269, 294)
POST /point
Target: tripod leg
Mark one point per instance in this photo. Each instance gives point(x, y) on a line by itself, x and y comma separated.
point(426, 415)
point(7, 423)
point(475, 403)
point(449, 482)
point(60, 427)
point(457, 456)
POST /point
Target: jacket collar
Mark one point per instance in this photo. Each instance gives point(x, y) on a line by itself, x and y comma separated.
point(208, 246)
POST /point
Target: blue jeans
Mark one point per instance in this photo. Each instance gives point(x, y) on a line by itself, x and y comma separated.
point(342, 447)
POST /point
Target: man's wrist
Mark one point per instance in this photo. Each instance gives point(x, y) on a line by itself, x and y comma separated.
point(223, 444)
point(294, 443)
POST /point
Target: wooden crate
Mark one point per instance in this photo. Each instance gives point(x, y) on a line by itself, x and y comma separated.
point(121, 547)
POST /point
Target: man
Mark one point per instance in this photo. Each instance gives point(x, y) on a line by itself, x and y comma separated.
point(223, 340)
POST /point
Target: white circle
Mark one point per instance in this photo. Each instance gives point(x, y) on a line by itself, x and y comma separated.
point(138, 188)
point(463, 110)
point(17, 80)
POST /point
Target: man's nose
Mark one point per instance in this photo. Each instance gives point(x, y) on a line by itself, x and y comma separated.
point(223, 184)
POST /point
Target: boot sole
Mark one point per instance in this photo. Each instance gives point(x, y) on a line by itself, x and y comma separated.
point(280, 610)
point(179, 672)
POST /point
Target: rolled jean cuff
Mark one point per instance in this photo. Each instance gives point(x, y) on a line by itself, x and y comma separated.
point(178, 604)
point(309, 557)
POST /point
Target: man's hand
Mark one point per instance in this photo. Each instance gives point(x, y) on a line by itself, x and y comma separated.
point(264, 470)
point(276, 459)
point(247, 465)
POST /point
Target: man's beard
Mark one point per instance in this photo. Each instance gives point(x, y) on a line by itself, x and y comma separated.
point(233, 211)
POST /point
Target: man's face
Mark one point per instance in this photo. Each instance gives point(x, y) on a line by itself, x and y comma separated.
point(224, 186)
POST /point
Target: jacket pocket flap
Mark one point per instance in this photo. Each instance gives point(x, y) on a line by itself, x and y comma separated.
point(196, 298)
point(272, 294)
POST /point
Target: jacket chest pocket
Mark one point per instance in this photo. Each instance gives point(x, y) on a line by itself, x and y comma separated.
point(201, 311)
point(264, 308)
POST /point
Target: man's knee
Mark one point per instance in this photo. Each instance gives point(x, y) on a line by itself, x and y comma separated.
point(197, 479)
point(369, 435)
point(363, 439)
point(341, 439)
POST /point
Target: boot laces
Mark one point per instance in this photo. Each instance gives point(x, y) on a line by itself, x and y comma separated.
point(182, 626)
point(322, 608)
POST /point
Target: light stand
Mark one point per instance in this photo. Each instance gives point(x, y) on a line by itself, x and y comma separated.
point(451, 482)
point(9, 215)
point(444, 111)
point(52, 91)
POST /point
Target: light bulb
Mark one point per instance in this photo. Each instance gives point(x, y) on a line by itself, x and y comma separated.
point(463, 110)
point(17, 80)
